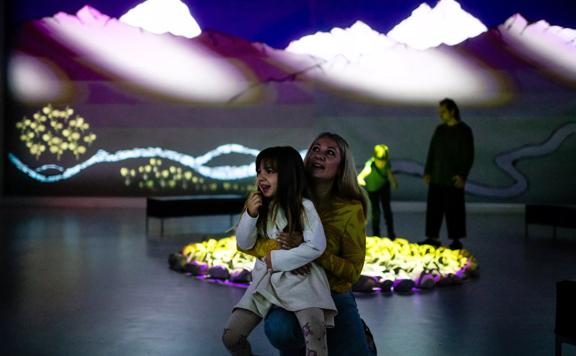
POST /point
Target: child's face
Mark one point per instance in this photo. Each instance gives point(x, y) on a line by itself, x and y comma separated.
point(380, 163)
point(267, 179)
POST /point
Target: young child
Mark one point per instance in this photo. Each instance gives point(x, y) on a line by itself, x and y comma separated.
point(377, 178)
point(280, 205)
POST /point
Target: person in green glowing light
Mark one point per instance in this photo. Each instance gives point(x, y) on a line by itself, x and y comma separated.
point(450, 158)
point(377, 178)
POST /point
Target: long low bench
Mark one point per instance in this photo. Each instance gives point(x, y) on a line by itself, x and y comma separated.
point(192, 205)
point(550, 215)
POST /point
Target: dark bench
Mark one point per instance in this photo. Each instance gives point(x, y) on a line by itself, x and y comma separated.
point(192, 205)
point(550, 215)
point(565, 314)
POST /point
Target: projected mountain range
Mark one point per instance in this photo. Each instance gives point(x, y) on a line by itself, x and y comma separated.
point(181, 98)
point(216, 68)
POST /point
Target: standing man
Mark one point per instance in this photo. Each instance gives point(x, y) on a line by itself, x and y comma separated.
point(450, 158)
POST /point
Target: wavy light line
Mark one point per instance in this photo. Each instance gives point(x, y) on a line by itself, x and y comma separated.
point(507, 162)
point(48, 167)
point(102, 156)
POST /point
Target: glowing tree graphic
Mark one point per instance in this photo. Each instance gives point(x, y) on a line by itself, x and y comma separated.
point(153, 176)
point(56, 130)
point(156, 177)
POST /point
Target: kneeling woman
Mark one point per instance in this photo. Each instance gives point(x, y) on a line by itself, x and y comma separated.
point(342, 207)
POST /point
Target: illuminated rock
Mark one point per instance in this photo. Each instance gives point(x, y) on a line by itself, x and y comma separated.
point(241, 276)
point(177, 262)
point(403, 285)
point(426, 281)
point(386, 285)
point(218, 272)
point(196, 268)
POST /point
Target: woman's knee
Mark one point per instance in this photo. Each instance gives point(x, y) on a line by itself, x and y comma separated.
point(282, 329)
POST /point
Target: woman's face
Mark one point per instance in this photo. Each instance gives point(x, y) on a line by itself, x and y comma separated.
point(324, 159)
point(445, 114)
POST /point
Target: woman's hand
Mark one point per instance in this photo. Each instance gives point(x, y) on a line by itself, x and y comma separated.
point(459, 182)
point(302, 271)
point(287, 241)
point(253, 203)
point(427, 179)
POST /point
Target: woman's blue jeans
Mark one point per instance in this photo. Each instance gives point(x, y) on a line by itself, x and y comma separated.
point(346, 338)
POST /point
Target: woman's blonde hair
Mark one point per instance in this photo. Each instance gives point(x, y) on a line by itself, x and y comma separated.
point(345, 184)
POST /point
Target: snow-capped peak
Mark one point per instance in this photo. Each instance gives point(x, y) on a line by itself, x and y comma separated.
point(162, 16)
point(354, 41)
point(554, 47)
point(517, 24)
point(429, 27)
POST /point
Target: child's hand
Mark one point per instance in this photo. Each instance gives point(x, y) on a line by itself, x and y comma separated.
point(268, 261)
point(393, 180)
point(253, 203)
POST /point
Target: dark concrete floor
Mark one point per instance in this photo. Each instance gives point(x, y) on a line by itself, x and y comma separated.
point(89, 281)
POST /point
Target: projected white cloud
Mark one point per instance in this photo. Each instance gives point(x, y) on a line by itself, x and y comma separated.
point(553, 47)
point(170, 66)
point(429, 27)
point(162, 16)
point(365, 61)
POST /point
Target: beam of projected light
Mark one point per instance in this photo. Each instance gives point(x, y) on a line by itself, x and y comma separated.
point(34, 80)
point(197, 164)
point(430, 27)
point(362, 60)
point(552, 47)
point(171, 66)
point(162, 16)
